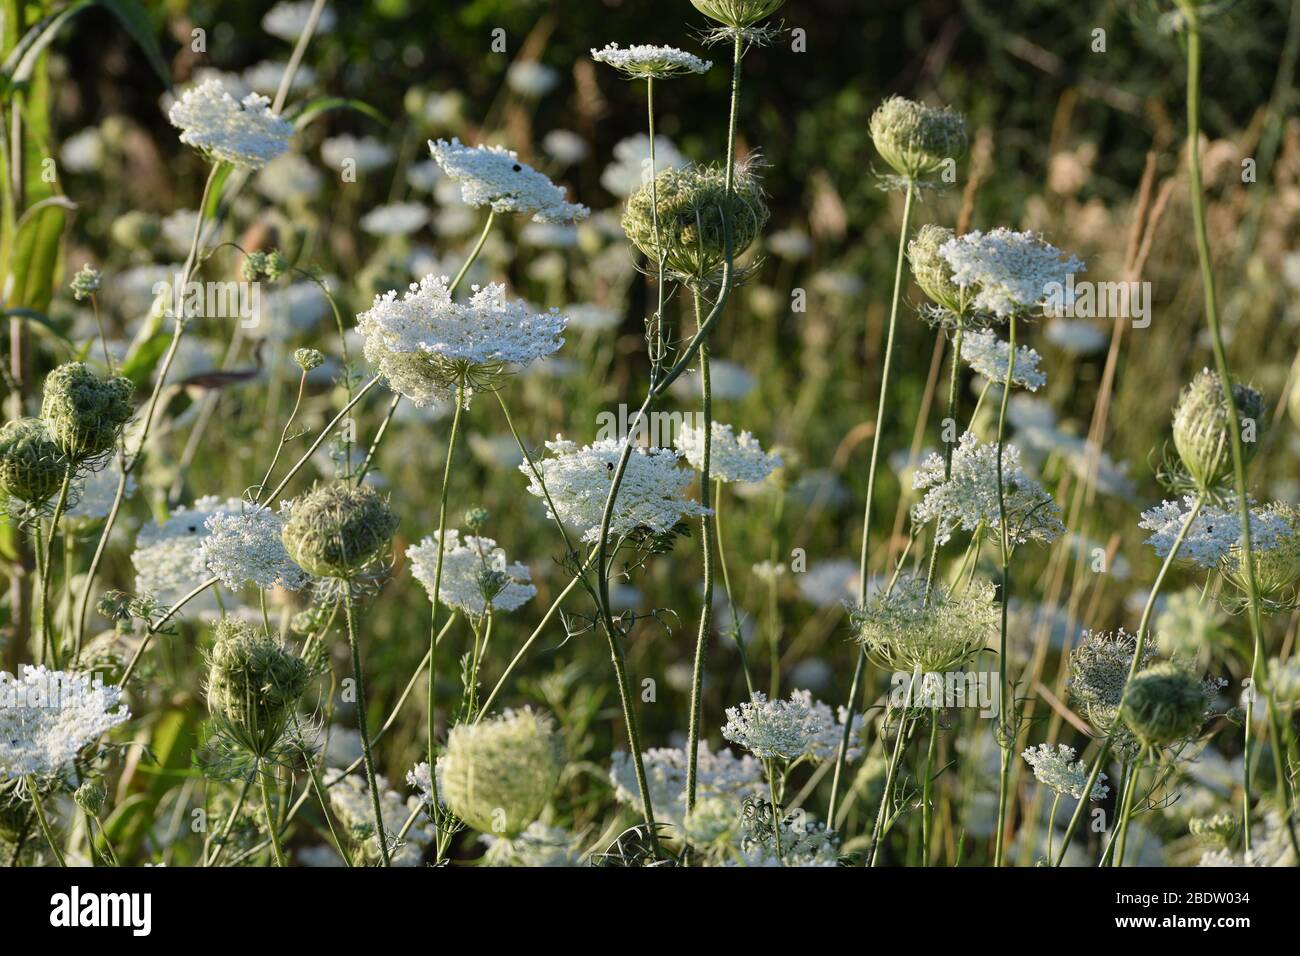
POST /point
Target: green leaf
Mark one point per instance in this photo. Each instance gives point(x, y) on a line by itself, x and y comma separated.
point(303, 115)
point(21, 62)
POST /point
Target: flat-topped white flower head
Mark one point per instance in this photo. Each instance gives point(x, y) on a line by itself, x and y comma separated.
point(245, 134)
point(969, 499)
point(1013, 273)
point(475, 574)
point(719, 774)
point(644, 61)
point(578, 480)
point(246, 548)
point(1060, 771)
point(988, 355)
point(494, 176)
point(168, 556)
point(782, 729)
point(48, 717)
point(1213, 534)
point(732, 457)
point(425, 342)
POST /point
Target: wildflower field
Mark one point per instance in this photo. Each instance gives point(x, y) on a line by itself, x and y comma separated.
point(708, 433)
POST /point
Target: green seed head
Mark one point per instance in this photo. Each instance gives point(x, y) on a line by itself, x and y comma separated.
point(309, 359)
point(1202, 432)
point(691, 204)
point(917, 140)
point(932, 272)
point(90, 796)
point(1163, 704)
point(83, 412)
point(335, 531)
point(1277, 569)
point(86, 282)
point(737, 14)
point(1099, 668)
point(254, 684)
point(476, 519)
point(499, 774)
point(31, 465)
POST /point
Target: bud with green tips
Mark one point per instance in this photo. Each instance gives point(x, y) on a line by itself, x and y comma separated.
point(1202, 432)
point(308, 359)
point(90, 796)
point(32, 466)
point(83, 412)
point(337, 530)
point(917, 140)
point(1163, 704)
point(933, 273)
point(254, 685)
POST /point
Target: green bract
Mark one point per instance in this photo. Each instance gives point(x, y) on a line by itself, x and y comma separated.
point(738, 14)
point(1202, 432)
point(917, 140)
point(31, 465)
point(254, 684)
point(1163, 704)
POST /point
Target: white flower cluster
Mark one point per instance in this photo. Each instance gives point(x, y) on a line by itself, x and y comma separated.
point(787, 729)
point(94, 492)
point(243, 133)
point(47, 717)
point(579, 479)
point(410, 338)
point(717, 774)
point(538, 846)
point(168, 556)
point(645, 61)
point(475, 574)
point(988, 355)
point(1012, 272)
point(1058, 770)
point(969, 498)
point(350, 801)
point(732, 457)
point(245, 548)
point(1212, 534)
point(494, 176)
point(395, 219)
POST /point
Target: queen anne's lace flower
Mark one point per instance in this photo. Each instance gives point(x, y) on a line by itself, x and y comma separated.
point(94, 492)
point(244, 133)
point(782, 729)
point(168, 556)
point(1213, 533)
point(424, 342)
point(494, 176)
point(970, 497)
point(1058, 770)
point(47, 717)
point(732, 457)
point(718, 774)
point(475, 574)
point(538, 846)
point(246, 548)
point(988, 355)
point(1012, 272)
point(912, 626)
point(578, 481)
point(644, 61)
point(350, 800)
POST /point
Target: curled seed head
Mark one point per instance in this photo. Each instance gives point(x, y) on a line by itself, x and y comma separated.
point(83, 412)
point(737, 14)
point(1202, 433)
point(254, 684)
point(90, 796)
point(336, 530)
point(31, 465)
point(1163, 704)
point(917, 140)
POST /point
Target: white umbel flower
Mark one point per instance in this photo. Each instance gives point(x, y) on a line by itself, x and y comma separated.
point(969, 498)
point(475, 574)
point(350, 800)
point(424, 342)
point(988, 355)
point(168, 556)
point(243, 133)
point(579, 478)
point(732, 457)
point(47, 717)
point(494, 176)
point(1214, 532)
point(781, 729)
point(246, 548)
point(94, 492)
point(1012, 272)
point(644, 61)
point(1060, 771)
point(718, 774)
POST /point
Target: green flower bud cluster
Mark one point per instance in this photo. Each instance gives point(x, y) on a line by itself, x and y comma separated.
point(1163, 704)
point(917, 140)
point(86, 282)
point(84, 413)
point(308, 359)
point(32, 466)
point(498, 775)
point(270, 265)
point(1277, 568)
point(1217, 830)
point(737, 14)
point(692, 204)
point(1202, 433)
point(933, 273)
point(337, 530)
point(90, 796)
point(254, 684)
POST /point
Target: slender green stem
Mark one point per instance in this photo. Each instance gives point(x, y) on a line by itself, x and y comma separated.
point(1006, 736)
point(363, 725)
point(927, 789)
point(1126, 812)
point(891, 771)
point(736, 634)
point(224, 836)
point(272, 824)
point(284, 433)
point(860, 662)
point(706, 547)
point(45, 556)
point(44, 824)
point(776, 809)
point(473, 255)
point(949, 421)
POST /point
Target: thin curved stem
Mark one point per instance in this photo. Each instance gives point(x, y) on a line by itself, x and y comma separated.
point(363, 725)
point(706, 548)
point(1005, 734)
point(272, 825)
point(44, 824)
